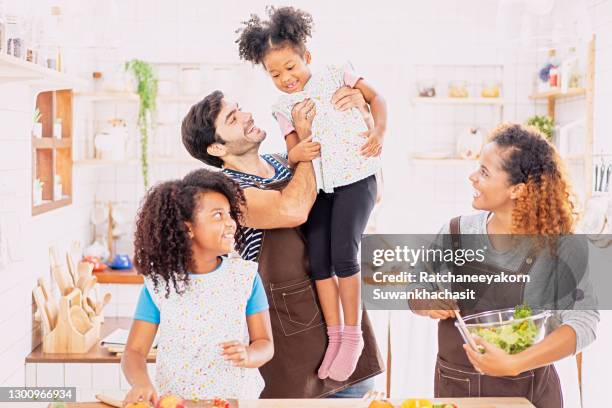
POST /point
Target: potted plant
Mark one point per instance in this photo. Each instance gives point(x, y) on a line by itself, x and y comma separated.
point(38, 191)
point(36, 124)
point(57, 128)
point(147, 91)
point(544, 124)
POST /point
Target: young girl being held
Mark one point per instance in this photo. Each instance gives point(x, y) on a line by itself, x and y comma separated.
point(345, 170)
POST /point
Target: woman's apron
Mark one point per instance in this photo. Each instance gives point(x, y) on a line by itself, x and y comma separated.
point(300, 334)
point(455, 376)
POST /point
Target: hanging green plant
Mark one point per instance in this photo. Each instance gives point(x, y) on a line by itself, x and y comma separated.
point(147, 91)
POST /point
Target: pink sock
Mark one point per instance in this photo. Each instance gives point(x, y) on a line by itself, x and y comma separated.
point(334, 334)
point(350, 349)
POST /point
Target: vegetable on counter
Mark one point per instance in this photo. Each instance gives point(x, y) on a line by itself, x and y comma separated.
point(380, 404)
point(411, 403)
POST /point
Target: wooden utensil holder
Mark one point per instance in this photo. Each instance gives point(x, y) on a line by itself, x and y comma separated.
point(65, 338)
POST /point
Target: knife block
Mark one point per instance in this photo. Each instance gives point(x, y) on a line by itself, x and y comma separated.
point(65, 338)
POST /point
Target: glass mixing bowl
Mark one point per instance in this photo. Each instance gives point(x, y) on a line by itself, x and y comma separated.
point(501, 328)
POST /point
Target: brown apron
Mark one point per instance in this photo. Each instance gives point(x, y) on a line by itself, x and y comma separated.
point(455, 377)
point(300, 335)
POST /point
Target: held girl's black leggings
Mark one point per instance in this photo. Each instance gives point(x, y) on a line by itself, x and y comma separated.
point(334, 228)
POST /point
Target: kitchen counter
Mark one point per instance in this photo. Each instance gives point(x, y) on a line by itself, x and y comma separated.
point(349, 403)
point(125, 276)
point(97, 354)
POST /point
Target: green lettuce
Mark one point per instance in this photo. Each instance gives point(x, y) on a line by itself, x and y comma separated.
point(512, 337)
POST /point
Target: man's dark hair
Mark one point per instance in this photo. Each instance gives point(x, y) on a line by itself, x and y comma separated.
point(198, 129)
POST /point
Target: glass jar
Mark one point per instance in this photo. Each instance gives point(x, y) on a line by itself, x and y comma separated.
point(29, 52)
point(51, 56)
point(458, 89)
point(426, 88)
point(490, 89)
point(14, 39)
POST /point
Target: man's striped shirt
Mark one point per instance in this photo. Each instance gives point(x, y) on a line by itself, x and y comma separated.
point(249, 244)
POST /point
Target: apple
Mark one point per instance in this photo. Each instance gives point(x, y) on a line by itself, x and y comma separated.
point(171, 401)
point(220, 403)
point(380, 404)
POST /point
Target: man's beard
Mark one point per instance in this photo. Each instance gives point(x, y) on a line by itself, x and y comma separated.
point(244, 147)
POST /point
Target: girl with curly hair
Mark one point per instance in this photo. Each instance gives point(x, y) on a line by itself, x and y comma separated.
point(209, 310)
point(525, 226)
point(344, 148)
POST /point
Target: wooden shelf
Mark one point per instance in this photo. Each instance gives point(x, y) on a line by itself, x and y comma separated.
point(17, 70)
point(435, 100)
point(108, 96)
point(587, 93)
point(51, 205)
point(133, 162)
point(574, 158)
point(557, 94)
point(50, 143)
point(100, 162)
point(133, 97)
point(51, 156)
point(180, 98)
point(129, 276)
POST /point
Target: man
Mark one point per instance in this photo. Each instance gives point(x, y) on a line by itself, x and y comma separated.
point(278, 200)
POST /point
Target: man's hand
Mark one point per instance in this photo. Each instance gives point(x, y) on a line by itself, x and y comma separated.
point(374, 141)
point(347, 98)
point(235, 352)
point(303, 114)
point(304, 151)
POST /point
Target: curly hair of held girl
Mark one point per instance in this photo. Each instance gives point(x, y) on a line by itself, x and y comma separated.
point(344, 146)
point(209, 311)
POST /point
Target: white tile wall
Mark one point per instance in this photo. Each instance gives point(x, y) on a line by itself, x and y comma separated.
point(28, 237)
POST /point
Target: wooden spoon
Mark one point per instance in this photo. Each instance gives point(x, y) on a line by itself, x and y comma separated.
point(81, 282)
point(62, 278)
point(39, 298)
point(80, 320)
point(51, 305)
point(89, 305)
point(53, 258)
point(101, 305)
point(87, 286)
point(85, 269)
point(71, 268)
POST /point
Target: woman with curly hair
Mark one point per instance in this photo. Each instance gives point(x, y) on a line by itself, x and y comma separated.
point(210, 310)
point(525, 227)
point(344, 147)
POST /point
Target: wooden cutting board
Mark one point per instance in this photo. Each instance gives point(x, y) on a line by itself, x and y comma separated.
point(113, 402)
point(343, 403)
